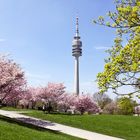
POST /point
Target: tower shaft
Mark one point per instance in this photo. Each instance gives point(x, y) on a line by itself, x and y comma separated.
point(76, 76)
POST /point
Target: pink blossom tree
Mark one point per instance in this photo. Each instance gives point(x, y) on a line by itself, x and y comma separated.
point(30, 97)
point(12, 80)
point(137, 110)
point(52, 94)
point(13, 98)
point(34, 93)
point(84, 103)
point(66, 102)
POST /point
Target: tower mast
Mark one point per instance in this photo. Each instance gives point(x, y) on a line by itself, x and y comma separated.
point(76, 52)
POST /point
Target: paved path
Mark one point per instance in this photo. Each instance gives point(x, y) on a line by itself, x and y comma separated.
point(57, 127)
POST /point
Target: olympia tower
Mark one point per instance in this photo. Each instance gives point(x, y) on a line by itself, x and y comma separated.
point(76, 52)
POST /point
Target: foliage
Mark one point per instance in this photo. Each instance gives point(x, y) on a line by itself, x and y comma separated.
point(84, 103)
point(126, 106)
point(122, 68)
point(101, 99)
point(12, 81)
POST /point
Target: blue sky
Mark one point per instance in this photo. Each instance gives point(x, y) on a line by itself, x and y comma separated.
point(38, 35)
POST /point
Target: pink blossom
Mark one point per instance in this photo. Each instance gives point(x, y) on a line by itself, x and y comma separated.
point(66, 102)
point(84, 103)
point(52, 92)
point(12, 80)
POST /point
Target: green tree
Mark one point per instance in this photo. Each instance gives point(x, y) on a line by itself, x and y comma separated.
point(122, 67)
point(101, 99)
point(125, 106)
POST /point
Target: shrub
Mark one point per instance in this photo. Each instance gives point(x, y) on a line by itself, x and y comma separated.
point(137, 110)
point(110, 108)
point(125, 106)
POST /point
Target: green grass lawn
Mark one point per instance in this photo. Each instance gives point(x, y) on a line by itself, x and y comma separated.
point(127, 127)
point(11, 130)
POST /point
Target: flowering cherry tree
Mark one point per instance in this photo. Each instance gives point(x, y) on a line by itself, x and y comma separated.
point(13, 98)
point(52, 94)
point(31, 96)
point(12, 80)
point(66, 102)
point(84, 103)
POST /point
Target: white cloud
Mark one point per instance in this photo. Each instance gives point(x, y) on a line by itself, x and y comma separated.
point(88, 87)
point(2, 40)
point(38, 76)
point(101, 48)
point(37, 79)
point(6, 54)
